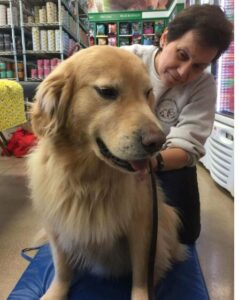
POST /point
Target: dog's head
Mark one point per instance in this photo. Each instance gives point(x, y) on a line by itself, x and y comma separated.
point(101, 99)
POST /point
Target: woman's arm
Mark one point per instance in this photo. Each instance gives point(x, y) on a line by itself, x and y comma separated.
point(194, 125)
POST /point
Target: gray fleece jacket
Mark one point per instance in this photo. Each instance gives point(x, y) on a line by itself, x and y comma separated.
point(186, 112)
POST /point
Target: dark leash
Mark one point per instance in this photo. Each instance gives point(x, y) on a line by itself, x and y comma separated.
point(154, 233)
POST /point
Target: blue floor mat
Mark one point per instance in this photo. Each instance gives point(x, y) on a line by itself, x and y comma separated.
point(184, 282)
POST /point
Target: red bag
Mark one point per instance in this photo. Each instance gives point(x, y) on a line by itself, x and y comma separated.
point(20, 143)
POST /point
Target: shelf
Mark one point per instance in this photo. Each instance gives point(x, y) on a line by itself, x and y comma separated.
point(9, 53)
point(136, 35)
point(28, 12)
point(55, 25)
point(43, 25)
point(68, 10)
point(4, 2)
point(82, 12)
point(5, 27)
point(83, 26)
point(31, 64)
point(125, 35)
point(27, 32)
point(9, 78)
point(83, 45)
point(34, 79)
point(35, 2)
point(6, 59)
point(43, 53)
point(8, 28)
point(67, 30)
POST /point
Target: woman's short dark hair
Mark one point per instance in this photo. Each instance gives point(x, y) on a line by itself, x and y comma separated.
point(210, 24)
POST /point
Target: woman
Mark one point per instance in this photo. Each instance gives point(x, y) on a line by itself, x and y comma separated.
point(185, 101)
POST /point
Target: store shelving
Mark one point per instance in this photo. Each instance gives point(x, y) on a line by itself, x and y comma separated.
point(41, 30)
point(50, 31)
point(141, 27)
point(11, 66)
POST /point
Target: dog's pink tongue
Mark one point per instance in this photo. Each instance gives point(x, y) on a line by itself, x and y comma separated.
point(139, 165)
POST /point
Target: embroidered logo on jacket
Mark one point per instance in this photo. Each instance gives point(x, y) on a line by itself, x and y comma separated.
point(167, 111)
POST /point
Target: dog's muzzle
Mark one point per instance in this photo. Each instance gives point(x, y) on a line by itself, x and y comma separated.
point(150, 143)
point(107, 154)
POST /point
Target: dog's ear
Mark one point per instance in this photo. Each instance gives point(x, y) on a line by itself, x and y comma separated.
point(49, 112)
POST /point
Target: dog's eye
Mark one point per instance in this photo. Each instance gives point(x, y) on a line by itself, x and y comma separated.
point(109, 93)
point(148, 92)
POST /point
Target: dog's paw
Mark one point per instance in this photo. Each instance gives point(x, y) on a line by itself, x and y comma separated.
point(53, 296)
point(139, 294)
point(56, 291)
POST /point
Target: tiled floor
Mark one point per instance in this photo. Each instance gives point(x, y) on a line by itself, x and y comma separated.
point(216, 243)
point(18, 225)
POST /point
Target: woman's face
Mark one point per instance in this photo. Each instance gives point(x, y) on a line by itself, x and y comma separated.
point(182, 60)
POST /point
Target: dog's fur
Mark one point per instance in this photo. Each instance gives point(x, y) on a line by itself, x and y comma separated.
point(96, 212)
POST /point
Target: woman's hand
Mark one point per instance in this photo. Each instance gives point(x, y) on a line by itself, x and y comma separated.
point(170, 159)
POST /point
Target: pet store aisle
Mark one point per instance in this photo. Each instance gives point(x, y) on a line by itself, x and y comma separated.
point(18, 225)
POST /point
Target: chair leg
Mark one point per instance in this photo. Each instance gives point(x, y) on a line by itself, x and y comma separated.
point(3, 144)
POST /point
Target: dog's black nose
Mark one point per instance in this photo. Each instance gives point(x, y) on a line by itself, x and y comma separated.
point(152, 139)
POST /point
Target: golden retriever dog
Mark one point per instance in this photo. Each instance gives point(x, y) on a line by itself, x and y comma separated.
point(97, 131)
